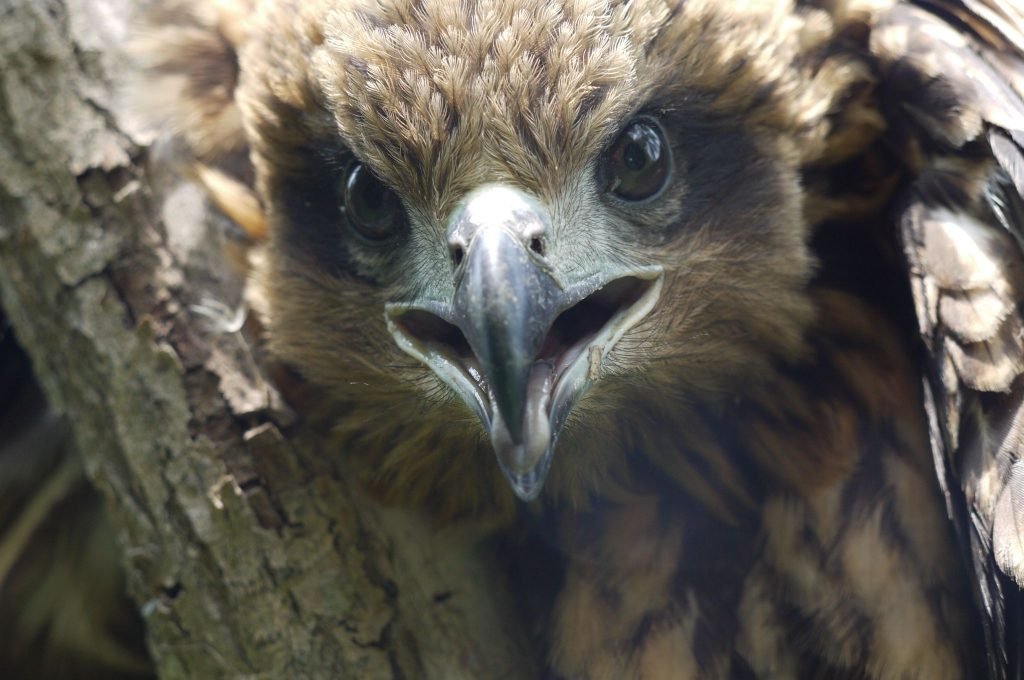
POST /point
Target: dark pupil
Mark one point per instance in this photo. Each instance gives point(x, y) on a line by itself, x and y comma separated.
point(372, 196)
point(634, 156)
point(371, 207)
point(638, 165)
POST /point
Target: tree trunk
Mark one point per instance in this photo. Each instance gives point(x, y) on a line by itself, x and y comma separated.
point(245, 550)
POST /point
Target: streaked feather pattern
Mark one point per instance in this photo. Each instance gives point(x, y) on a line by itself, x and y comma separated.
point(803, 480)
point(962, 224)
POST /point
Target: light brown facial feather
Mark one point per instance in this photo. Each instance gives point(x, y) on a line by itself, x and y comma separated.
point(438, 98)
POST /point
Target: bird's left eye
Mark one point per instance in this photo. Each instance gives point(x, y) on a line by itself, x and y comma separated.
point(373, 210)
point(637, 165)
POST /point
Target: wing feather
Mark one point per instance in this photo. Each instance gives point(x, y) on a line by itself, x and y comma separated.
point(962, 225)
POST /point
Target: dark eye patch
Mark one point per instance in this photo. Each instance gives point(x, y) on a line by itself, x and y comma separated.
point(307, 201)
point(720, 177)
point(728, 179)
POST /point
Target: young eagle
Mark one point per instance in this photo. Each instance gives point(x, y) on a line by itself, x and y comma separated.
point(727, 294)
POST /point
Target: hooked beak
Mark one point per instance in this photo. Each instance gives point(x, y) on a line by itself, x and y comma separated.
point(518, 342)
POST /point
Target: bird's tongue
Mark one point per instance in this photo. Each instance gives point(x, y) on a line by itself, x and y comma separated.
point(522, 454)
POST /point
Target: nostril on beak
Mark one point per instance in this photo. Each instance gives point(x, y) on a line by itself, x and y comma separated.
point(537, 245)
point(457, 253)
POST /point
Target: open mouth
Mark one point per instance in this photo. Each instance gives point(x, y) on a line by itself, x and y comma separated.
point(567, 360)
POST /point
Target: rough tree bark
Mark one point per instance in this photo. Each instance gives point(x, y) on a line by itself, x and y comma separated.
point(245, 549)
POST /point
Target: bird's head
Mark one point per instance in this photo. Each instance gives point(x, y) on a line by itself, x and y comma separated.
point(532, 226)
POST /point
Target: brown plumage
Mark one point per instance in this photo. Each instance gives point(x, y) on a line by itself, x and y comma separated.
point(757, 466)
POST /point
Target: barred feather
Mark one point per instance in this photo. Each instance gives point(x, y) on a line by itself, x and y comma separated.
point(775, 471)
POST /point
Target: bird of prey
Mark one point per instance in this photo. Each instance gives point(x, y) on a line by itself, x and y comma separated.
point(722, 297)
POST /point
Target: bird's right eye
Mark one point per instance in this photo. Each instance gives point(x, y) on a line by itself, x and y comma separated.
point(373, 210)
point(637, 165)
